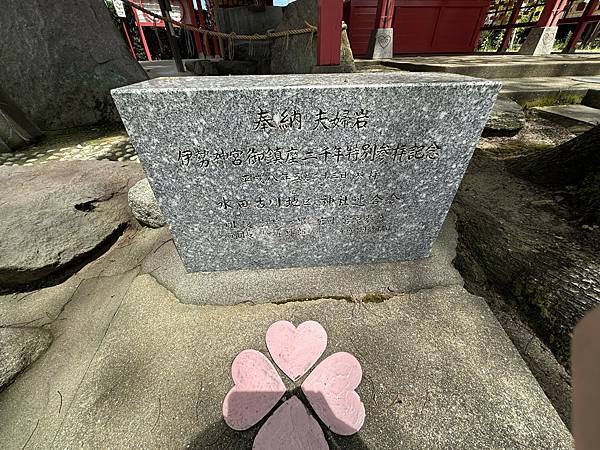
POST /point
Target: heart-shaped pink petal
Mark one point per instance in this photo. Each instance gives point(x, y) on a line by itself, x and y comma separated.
point(296, 350)
point(330, 391)
point(258, 387)
point(290, 428)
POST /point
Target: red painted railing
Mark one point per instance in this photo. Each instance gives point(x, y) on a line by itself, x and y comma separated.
point(509, 15)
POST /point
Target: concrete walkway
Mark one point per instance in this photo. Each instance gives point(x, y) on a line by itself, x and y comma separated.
point(133, 366)
point(566, 78)
point(529, 89)
point(499, 66)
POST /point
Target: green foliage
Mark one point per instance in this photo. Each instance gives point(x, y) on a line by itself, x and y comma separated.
point(111, 7)
point(490, 41)
point(517, 39)
point(553, 100)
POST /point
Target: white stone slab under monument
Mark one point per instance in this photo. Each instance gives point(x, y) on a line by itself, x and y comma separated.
point(305, 170)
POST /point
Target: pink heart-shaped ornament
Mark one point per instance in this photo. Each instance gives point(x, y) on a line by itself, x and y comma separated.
point(258, 388)
point(330, 391)
point(296, 350)
point(290, 428)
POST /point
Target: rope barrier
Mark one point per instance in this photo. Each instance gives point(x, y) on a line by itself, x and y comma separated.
point(229, 36)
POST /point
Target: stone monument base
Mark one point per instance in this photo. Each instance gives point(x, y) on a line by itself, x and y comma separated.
point(540, 41)
point(381, 44)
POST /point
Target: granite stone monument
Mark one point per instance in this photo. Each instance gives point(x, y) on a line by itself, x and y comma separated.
point(305, 170)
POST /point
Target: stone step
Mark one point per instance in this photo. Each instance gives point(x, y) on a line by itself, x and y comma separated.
point(498, 66)
point(571, 114)
point(557, 90)
point(563, 89)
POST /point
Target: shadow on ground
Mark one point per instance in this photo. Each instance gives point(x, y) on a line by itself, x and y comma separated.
point(220, 436)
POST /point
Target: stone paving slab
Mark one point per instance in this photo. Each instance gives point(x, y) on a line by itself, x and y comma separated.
point(501, 66)
point(571, 114)
point(518, 87)
point(272, 285)
point(439, 372)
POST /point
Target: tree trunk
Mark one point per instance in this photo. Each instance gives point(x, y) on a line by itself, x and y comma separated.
point(516, 237)
point(575, 165)
point(568, 164)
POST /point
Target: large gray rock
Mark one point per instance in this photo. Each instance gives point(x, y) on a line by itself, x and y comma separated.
point(144, 206)
point(60, 60)
point(248, 20)
point(19, 347)
point(56, 215)
point(16, 129)
point(506, 119)
point(438, 370)
point(298, 54)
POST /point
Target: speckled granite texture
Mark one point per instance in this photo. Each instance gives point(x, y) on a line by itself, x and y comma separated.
point(305, 170)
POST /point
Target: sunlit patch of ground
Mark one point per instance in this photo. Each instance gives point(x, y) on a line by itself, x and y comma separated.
point(97, 142)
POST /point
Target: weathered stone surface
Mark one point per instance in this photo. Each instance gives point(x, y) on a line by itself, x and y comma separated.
point(298, 54)
point(144, 206)
point(314, 170)
point(16, 129)
point(248, 20)
point(60, 60)
point(570, 115)
point(224, 67)
point(202, 67)
point(54, 215)
point(150, 372)
point(276, 285)
point(131, 366)
point(19, 348)
point(506, 119)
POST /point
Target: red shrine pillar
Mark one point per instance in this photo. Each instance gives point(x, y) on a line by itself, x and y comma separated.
point(197, 41)
point(581, 25)
point(540, 39)
point(381, 44)
point(329, 32)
